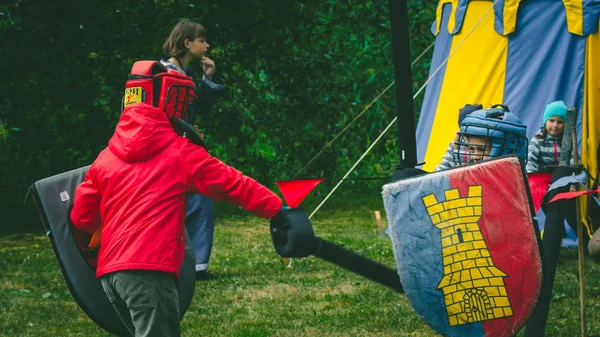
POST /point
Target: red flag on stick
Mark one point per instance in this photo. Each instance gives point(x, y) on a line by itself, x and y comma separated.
point(294, 191)
point(571, 195)
point(538, 184)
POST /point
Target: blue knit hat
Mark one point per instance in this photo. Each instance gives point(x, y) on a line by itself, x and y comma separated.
point(556, 108)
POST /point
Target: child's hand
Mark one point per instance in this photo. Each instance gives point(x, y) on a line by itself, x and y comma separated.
point(208, 66)
point(199, 131)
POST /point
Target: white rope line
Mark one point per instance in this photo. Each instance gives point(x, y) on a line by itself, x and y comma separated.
point(355, 164)
point(358, 116)
point(395, 118)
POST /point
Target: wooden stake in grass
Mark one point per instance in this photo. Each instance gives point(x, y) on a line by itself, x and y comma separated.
point(287, 262)
point(579, 242)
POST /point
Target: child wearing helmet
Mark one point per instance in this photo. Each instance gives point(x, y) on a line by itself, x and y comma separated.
point(490, 133)
point(544, 149)
point(479, 147)
point(135, 193)
point(448, 159)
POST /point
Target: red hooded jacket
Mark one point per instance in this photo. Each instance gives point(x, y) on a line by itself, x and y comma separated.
point(136, 190)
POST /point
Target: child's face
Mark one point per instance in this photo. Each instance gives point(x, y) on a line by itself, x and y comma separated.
point(479, 148)
point(555, 126)
point(198, 47)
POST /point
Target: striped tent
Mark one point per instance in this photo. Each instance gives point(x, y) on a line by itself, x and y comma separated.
point(523, 53)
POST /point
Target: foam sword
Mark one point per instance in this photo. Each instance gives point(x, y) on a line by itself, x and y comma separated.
point(294, 237)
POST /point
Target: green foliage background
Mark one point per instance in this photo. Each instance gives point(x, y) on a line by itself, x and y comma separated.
point(297, 73)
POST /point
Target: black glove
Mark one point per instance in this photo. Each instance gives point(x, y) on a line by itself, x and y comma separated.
point(292, 233)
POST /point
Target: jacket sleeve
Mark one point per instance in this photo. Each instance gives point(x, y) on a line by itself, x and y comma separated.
point(208, 94)
point(447, 159)
point(214, 179)
point(533, 154)
point(85, 214)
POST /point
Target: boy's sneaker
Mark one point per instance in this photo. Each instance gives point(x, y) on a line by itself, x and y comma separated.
point(204, 275)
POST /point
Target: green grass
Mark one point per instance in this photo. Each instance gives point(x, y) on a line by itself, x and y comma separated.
point(256, 295)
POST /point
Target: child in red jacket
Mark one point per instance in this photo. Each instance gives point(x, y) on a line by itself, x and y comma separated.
point(135, 191)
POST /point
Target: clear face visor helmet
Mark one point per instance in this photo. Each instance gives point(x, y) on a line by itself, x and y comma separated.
point(166, 89)
point(490, 133)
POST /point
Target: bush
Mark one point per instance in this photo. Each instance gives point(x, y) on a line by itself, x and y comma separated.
point(297, 74)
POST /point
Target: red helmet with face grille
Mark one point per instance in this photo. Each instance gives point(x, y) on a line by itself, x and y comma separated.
point(166, 89)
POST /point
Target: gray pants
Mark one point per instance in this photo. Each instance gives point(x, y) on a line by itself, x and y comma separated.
point(145, 300)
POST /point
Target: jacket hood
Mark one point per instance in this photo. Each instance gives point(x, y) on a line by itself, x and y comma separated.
point(142, 132)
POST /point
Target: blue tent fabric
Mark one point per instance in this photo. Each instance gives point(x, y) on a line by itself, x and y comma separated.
point(553, 70)
point(440, 53)
point(459, 15)
point(547, 52)
point(591, 15)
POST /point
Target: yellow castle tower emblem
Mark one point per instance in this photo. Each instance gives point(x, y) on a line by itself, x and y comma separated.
point(473, 286)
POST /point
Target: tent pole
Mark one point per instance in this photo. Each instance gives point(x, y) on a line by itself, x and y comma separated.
point(407, 143)
point(580, 255)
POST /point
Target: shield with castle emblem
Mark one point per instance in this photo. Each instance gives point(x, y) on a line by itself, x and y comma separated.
point(466, 247)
